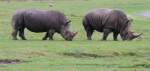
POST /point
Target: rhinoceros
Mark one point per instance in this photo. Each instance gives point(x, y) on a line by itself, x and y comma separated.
point(38, 21)
point(107, 21)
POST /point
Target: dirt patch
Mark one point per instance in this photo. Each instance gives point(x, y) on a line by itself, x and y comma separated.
point(85, 55)
point(12, 61)
point(102, 55)
point(36, 53)
point(9, 61)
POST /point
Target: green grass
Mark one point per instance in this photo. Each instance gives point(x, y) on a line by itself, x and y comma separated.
point(79, 54)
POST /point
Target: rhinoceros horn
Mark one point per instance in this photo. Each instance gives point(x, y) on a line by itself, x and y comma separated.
point(68, 21)
point(136, 36)
point(74, 34)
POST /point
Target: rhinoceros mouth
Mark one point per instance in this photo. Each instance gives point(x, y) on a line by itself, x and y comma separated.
point(68, 35)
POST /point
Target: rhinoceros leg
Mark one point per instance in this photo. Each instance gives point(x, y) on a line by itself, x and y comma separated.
point(89, 32)
point(46, 36)
point(115, 35)
point(106, 33)
point(21, 34)
point(51, 33)
point(14, 34)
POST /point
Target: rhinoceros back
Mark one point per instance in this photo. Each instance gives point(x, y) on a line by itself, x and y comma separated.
point(42, 21)
point(105, 18)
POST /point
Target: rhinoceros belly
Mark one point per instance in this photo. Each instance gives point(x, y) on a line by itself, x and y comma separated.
point(37, 24)
point(37, 27)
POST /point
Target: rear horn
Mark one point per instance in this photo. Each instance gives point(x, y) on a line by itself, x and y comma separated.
point(74, 33)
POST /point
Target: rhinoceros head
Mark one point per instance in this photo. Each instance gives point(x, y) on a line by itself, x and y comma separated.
point(67, 35)
point(127, 34)
point(131, 35)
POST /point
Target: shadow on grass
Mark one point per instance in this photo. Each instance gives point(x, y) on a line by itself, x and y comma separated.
point(85, 55)
point(11, 61)
point(102, 55)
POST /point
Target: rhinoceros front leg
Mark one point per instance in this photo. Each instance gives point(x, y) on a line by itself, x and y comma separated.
point(106, 33)
point(46, 36)
point(89, 32)
point(115, 35)
point(89, 35)
point(51, 33)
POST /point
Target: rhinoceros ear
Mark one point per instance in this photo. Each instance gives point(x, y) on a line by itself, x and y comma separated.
point(68, 21)
point(131, 20)
point(128, 22)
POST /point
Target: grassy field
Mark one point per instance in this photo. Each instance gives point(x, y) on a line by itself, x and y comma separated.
point(79, 54)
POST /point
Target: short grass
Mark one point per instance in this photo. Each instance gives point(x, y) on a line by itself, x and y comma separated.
point(79, 54)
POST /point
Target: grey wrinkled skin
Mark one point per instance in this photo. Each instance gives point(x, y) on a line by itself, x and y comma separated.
point(107, 21)
point(35, 20)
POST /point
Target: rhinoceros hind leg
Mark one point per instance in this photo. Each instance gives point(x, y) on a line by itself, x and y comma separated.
point(21, 34)
point(51, 36)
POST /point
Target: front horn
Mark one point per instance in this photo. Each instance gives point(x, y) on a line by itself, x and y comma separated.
point(74, 33)
point(136, 36)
